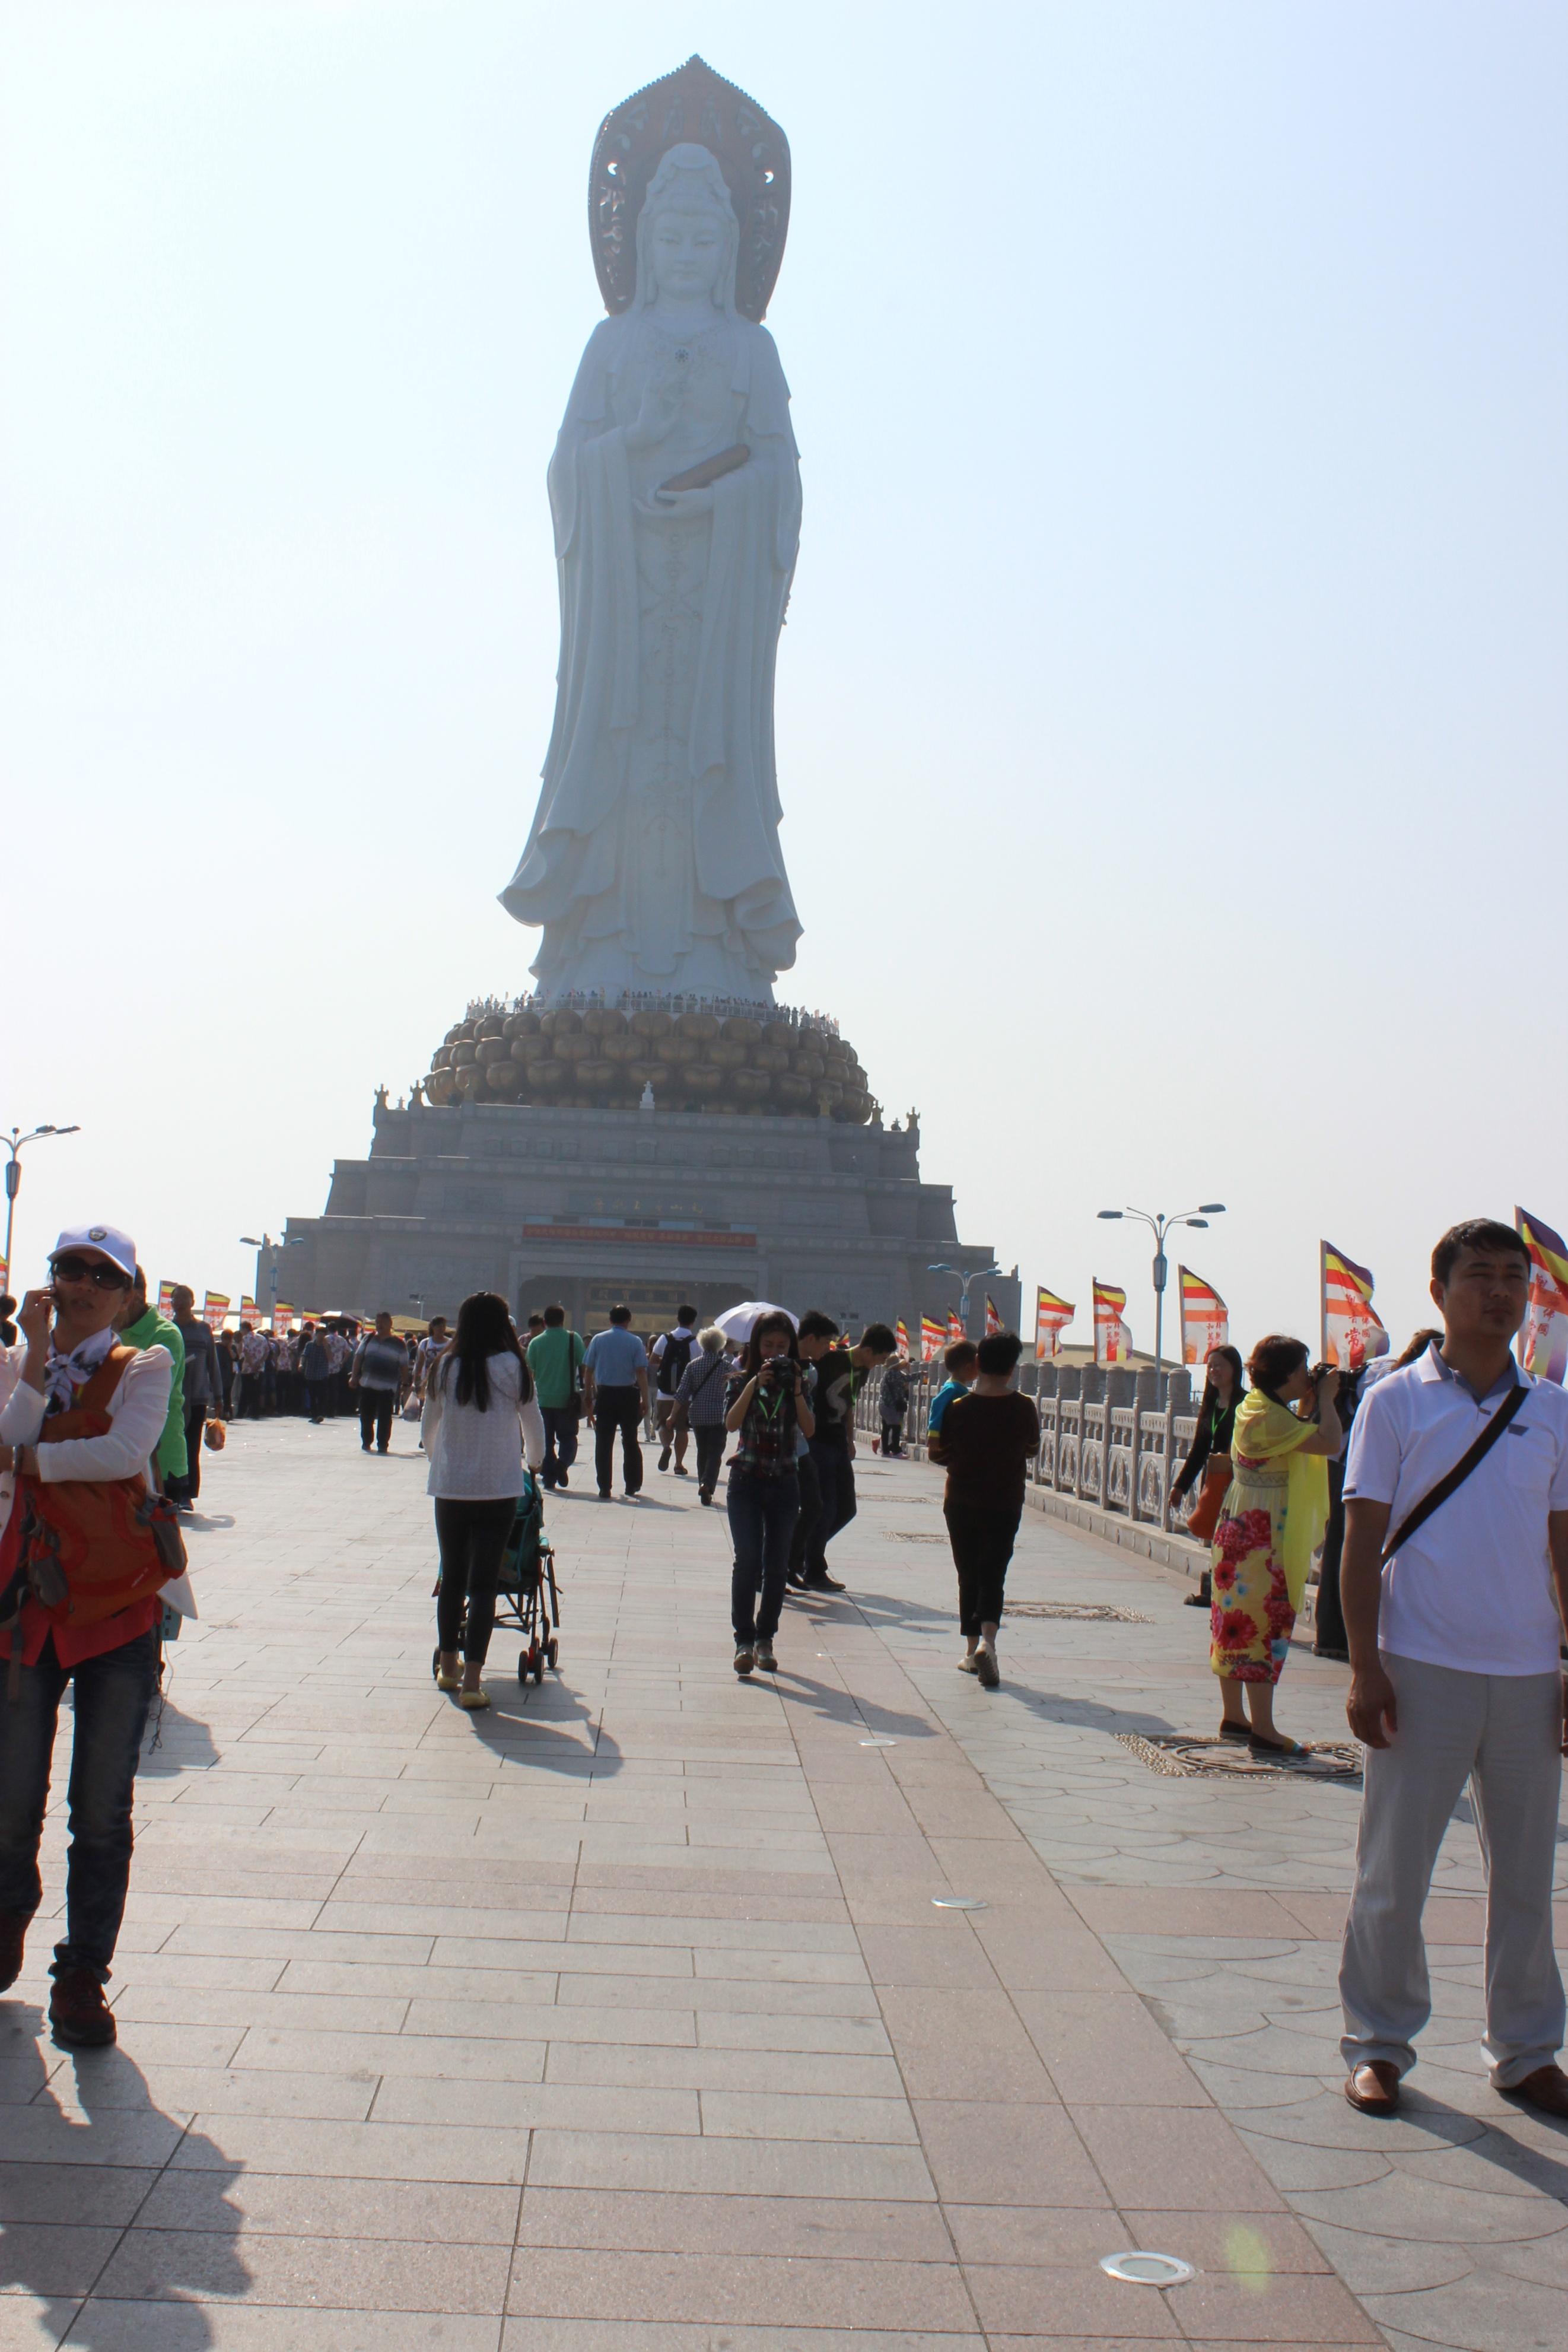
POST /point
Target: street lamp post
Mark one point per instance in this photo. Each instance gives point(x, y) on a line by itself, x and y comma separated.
point(250, 1241)
point(1160, 1226)
point(979, 1274)
point(14, 1143)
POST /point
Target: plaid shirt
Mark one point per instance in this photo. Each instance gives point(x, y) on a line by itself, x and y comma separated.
point(766, 1435)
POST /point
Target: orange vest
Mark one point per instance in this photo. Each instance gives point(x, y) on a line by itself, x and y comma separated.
point(99, 1529)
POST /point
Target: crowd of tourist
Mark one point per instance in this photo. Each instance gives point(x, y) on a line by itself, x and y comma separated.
point(1454, 1576)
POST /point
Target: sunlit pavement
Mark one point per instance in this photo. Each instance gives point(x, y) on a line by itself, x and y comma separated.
point(624, 2015)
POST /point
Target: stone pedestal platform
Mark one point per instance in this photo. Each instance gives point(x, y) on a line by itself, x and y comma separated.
point(542, 1202)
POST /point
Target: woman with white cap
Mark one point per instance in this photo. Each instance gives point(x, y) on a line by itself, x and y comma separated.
point(87, 1550)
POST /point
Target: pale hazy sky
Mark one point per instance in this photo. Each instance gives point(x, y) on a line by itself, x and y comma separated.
point(1171, 712)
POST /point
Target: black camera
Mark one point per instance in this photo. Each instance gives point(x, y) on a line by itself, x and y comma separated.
point(7, 1327)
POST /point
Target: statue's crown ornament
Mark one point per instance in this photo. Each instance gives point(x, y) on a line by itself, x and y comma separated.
point(692, 105)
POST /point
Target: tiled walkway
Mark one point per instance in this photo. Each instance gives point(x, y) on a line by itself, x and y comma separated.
point(624, 2017)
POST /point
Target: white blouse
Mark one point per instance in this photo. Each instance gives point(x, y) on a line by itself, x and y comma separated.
point(477, 1457)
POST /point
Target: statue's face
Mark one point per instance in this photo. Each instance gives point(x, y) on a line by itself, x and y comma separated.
point(688, 253)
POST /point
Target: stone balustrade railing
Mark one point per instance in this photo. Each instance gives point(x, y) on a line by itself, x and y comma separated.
point(1106, 1437)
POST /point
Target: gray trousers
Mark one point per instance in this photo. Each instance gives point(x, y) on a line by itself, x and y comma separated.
point(1499, 1732)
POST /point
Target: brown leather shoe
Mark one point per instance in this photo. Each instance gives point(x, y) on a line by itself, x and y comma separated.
point(1374, 2087)
point(79, 2017)
point(1546, 2089)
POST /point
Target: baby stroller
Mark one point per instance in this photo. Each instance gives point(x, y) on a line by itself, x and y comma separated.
point(525, 1594)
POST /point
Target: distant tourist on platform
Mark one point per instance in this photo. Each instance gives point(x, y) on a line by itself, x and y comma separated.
point(252, 1375)
point(228, 1367)
point(1208, 1456)
point(202, 1388)
point(893, 1405)
point(139, 1325)
point(839, 1371)
point(615, 1396)
point(480, 1417)
point(987, 1438)
point(79, 1418)
point(425, 1354)
point(701, 1401)
point(555, 1361)
point(958, 1363)
point(340, 1349)
point(1270, 1523)
point(316, 1370)
point(381, 1361)
point(669, 1356)
point(766, 1409)
point(1454, 1582)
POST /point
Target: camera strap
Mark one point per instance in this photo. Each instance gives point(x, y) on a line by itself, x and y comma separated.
point(1452, 1480)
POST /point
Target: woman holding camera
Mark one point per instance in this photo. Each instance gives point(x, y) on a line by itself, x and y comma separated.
point(769, 1408)
point(1276, 1506)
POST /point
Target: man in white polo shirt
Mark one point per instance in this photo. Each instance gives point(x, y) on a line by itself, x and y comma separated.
point(1454, 1651)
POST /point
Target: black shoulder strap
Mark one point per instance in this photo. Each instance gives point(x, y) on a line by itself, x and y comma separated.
point(1452, 1480)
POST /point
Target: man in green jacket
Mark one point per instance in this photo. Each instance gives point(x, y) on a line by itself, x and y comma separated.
point(143, 1327)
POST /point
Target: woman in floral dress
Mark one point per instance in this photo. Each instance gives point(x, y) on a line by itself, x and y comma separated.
point(1272, 1521)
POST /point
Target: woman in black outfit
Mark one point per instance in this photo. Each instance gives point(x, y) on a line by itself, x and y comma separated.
point(1209, 1455)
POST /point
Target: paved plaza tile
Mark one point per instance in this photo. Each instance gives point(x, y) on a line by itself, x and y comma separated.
point(623, 2018)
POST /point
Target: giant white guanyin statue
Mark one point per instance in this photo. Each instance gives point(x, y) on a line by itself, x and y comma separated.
point(653, 862)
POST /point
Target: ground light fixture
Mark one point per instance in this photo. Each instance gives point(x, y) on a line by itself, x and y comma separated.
point(1159, 1225)
point(1141, 2269)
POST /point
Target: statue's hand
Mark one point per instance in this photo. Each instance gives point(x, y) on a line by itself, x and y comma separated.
point(683, 503)
point(660, 404)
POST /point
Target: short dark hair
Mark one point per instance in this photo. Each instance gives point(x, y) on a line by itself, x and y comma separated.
point(815, 1324)
point(535, 1320)
point(1273, 1360)
point(998, 1352)
point(177, 1291)
point(621, 1315)
point(685, 1314)
point(879, 1338)
point(554, 1317)
point(1475, 1233)
point(959, 1351)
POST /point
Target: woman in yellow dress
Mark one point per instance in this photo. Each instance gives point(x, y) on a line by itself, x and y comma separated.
point(1272, 1521)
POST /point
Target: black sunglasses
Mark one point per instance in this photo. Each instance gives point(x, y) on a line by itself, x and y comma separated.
point(100, 1271)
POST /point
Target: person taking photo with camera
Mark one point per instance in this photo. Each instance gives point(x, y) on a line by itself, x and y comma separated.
point(88, 1545)
point(769, 1408)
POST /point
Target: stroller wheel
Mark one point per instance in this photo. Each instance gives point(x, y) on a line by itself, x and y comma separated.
point(554, 1651)
point(522, 1665)
point(435, 1660)
point(538, 1666)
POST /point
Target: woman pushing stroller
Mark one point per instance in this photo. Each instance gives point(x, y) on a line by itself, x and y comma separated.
point(479, 1416)
point(769, 1408)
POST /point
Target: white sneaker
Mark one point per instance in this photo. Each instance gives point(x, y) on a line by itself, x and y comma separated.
point(969, 1664)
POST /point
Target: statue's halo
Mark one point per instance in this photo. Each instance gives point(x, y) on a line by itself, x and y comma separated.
point(691, 106)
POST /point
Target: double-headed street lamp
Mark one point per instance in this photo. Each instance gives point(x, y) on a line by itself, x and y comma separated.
point(1160, 1226)
point(14, 1143)
point(979, 1274)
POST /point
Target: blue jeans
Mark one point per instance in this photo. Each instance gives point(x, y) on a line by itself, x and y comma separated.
point(113, 1693)
point(762, 1514)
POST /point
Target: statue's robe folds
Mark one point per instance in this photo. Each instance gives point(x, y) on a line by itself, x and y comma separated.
point(653, 862)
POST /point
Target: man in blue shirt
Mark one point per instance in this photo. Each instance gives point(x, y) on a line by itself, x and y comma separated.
point(959, 1360)
point(615, 1395)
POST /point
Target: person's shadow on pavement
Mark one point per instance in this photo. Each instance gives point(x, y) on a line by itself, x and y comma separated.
point(107, 2201)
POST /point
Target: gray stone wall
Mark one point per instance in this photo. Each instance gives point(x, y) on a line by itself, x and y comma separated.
point(586, 1206)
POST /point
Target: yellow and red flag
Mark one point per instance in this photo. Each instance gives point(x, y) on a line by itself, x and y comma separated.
point(932, 1335)
point(1205, 1319)
point(166, 1299)
point(1351, 1330)
point(214, 1308)
point(1113, 1340)
point(901, 1334)
point(956, 1325)
point(1052, 1317)
point(1543, 1341)
point(993, 1320)
point(281, 1319)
